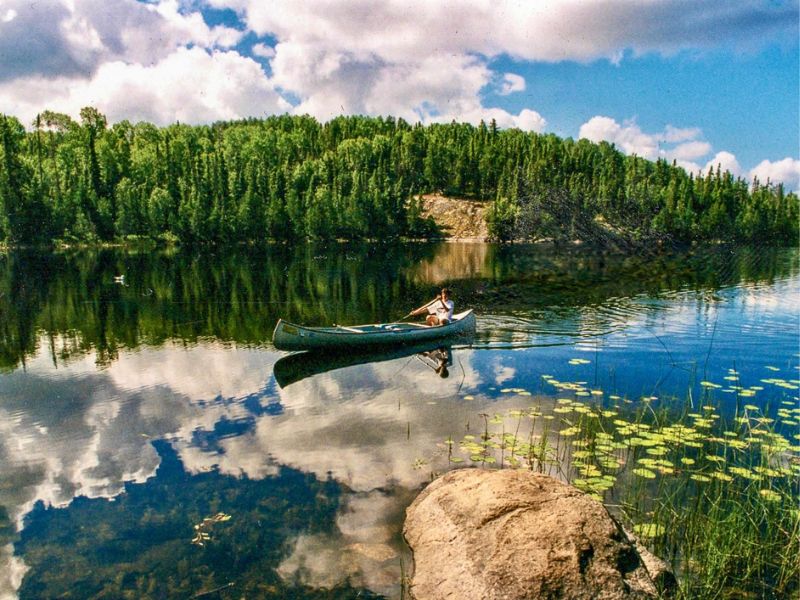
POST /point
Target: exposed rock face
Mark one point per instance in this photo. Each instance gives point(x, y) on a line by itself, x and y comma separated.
point(459, 219)
point(514, 534)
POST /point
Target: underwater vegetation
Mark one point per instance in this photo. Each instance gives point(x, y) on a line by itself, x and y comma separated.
point(712, 487)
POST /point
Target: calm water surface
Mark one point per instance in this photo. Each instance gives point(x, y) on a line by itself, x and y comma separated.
point(142, 413)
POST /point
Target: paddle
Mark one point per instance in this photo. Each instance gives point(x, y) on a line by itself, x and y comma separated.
point(411, 314)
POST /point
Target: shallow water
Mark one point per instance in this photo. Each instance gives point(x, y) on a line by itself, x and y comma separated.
point(133, 409)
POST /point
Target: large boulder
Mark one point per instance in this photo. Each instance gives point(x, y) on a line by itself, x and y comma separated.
point(513, 534)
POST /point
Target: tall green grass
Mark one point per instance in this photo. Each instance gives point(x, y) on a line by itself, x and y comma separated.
point(716, 497)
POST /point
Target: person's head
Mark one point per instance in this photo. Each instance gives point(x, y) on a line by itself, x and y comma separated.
point(442, 371)
point(445, 293)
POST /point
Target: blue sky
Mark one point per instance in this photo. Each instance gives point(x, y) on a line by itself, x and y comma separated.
point(698, 82)
point(747, 103)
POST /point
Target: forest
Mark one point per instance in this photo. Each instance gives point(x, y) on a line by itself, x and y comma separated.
point(291, 178)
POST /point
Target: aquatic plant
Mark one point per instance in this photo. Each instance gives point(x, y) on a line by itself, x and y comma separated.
point(713, 492)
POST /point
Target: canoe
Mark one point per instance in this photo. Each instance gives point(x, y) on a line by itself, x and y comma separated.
point(300, 365)
point(288, 336)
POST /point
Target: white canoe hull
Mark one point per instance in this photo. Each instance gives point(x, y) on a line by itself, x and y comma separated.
point(288, 336)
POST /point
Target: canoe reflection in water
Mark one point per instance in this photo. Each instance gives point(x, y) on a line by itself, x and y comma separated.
point(438, 360)
point(296, 367)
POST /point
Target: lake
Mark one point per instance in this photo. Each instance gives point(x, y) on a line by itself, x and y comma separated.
point(155, 443)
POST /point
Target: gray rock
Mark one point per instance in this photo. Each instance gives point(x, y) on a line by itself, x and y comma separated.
point(659, 570)
point(514, 534)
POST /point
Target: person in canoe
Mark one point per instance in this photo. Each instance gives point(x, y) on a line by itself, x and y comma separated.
point(439, 310)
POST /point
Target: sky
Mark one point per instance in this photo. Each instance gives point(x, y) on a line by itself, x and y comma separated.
point(699, 82)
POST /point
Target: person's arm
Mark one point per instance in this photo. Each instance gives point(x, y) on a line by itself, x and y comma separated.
point(424, 308)
point(441, 302)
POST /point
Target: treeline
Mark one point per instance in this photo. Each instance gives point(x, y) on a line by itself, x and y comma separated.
point(290, 178)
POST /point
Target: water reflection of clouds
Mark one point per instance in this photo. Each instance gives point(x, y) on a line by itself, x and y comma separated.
point(690, 317)
point(355, 423)
point(620, 320)
point(74, 430)
point(198, 373)
point(373, 427)
point(12, 570)
point(364, 549)
point(43, 362)
point(76, 437)
point(778, 298)
point(63, 438)
point(84, 429)
point(79, 431)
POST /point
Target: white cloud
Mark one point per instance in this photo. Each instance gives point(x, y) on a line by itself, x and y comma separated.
point(440, 87)
point(192, 28)
point(157, 61)
point(726, 161)
point(71, 38)
point(530, 120)
point(628, 137)
point(786, 171)
point(690, 150)
point(527, 120)
point(511, 83)
point(263, 50)
point(223, 85)
point(675, 134)
point(411, 58)
point(429, 61)
point(678, 144)
point(584, 30)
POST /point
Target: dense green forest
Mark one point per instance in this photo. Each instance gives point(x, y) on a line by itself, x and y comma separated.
point(290, 178)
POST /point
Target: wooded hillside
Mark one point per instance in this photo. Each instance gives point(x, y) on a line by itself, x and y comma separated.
point(292, 178)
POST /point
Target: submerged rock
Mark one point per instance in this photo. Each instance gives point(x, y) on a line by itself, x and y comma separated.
point(514, 534)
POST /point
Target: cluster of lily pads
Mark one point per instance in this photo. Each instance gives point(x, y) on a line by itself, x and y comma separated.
point(660, 465)
point(596, 443)
point(749, 392)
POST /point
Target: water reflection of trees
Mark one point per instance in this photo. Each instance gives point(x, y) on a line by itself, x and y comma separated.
point(70, 301)
point(522, 277)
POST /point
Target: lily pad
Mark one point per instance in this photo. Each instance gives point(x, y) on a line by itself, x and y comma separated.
point(648, 530)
